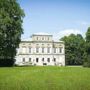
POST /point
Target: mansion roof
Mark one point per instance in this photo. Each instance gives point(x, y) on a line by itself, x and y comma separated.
point(43, 37)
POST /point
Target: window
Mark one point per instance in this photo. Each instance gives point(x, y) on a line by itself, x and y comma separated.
point(29, 59)
point(42, 49)
point(48, 50)
point(54, 50)
point(60, 50)
point(48, 59)
point(29, 49)
point(37, 49)
point(23, 49)
point(23, 59)
point(48, 38)
point(54, 59)
point(43, 59)
point(42, 38)
point(36, 59)
point(23, 43)
point(37, 38)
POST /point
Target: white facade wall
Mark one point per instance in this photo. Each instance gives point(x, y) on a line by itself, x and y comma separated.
point(25, 57)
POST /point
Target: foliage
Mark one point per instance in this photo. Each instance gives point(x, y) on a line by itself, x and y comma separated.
point(74, 49)
point(88, 47)
point(88, 41)
point(7, 62)
point(11, 16)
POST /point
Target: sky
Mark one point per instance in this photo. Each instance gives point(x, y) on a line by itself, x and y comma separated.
point(56, 17)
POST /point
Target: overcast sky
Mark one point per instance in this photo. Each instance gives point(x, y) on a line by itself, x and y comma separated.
point(57, 17)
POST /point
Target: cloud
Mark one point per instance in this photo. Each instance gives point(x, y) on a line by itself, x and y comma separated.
point(66, 32)
point(83, 23)
point(57, 35)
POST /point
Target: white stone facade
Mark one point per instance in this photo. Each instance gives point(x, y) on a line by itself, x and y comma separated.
point(41, 50)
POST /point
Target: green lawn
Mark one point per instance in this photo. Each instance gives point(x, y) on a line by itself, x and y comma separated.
point(45, 78)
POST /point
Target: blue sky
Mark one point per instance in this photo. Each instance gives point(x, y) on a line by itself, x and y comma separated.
point(57, 17)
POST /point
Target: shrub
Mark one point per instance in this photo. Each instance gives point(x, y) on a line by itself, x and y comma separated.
point(6, 62)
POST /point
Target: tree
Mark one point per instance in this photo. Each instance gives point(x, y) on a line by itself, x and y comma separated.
point(87, 60)
point(74, 49)
point(11, 18)
point(88, 40)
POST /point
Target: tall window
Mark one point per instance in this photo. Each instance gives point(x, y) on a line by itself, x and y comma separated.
point(42, 49)
point(37, 49)
point(37, 59)
point(23, 59)
point(54, 59)
point(24, 49)
point(43, 59)
point(60, 50)
point(37, 38)
point(54, 50)
point(29, 59)
point(48, 38)
point(42, 38)
point(48, 50)
point(48, 59)
point(29, 49)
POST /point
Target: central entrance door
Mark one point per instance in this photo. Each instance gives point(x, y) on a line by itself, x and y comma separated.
point(44, 64)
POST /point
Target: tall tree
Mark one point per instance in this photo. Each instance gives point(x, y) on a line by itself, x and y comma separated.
point(74, 49)
point(87, 61)
point(88, 40)
point(11, 18)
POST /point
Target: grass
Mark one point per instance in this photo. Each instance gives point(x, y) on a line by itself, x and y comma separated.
point(45, 78)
